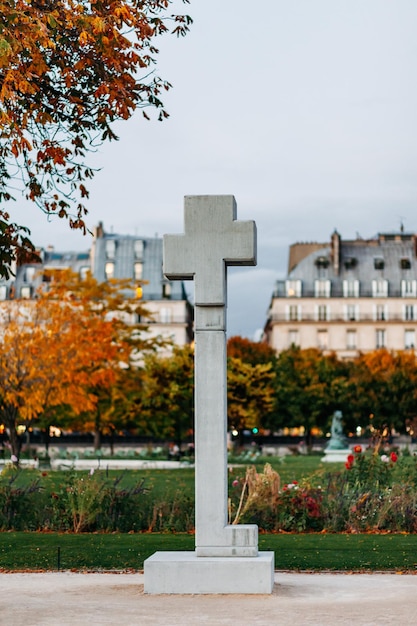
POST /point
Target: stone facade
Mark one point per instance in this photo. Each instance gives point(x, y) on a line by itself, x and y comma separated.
point(347, 296)
point(138, 259)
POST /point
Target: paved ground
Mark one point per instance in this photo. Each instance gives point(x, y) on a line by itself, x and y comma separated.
point(72, 599)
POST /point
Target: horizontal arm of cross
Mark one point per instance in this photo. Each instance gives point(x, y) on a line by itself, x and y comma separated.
point(213, 239)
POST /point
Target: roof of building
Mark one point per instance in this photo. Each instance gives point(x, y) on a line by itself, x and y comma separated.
point(389, 256)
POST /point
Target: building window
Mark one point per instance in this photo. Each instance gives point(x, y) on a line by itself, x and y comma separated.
point(322, 262)
point(110, 248)
point(3, 292)
point(25, 293)
point(409, 312)
point(84, 271)
point(409, 339)
point(351, 341)
point(405, 264)
point(379, 263)
point(293, 338)
point(138, 247)
point(293, 313)
point(408, 288)
point(350, 263)
point(381, 312)
point(293, 288)
point(322, 288)
point(166, 290)
point(138, 271)
point(380, 338)
point(380, 288)
point(322, 313)
point(165, 315)
point(351, 288)
point(352, 312)
point(109, 270)
point(322, 339)
point(30, 274)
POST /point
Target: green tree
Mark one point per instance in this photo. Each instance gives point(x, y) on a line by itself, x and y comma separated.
point(165, 408)
point(69, 70)
point(250, 393)
point(309, 388)
point(384, 389)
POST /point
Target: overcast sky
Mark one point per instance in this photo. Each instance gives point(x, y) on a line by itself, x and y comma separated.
point(304, 110)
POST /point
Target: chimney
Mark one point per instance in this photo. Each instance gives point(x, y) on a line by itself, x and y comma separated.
point(335, 252)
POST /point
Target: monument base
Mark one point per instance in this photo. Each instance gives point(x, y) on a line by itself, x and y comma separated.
point(336, 456)
point(184, 572)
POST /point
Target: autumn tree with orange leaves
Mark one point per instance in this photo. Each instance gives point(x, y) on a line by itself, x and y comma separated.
point(384, 389)
point(64, 348)
point(68, 70)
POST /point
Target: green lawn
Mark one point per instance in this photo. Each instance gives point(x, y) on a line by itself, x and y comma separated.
point(347, 552)
point(161, 482)
point(51, 551)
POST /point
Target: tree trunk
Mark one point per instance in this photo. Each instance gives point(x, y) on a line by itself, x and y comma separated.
point(111, 441)
point(308, 438)
point(47, 439)
point(97, 431)
point(10, 417)
point(97, 439)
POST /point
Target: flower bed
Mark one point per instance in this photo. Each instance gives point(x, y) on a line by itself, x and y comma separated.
point(375, 492)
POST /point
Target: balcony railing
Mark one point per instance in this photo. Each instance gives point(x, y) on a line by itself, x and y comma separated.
point(175, 319)
point(337, 317)
point(337, 292)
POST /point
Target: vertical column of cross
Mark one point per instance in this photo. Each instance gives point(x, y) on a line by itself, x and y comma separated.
point(213, 239)
point(211, 428)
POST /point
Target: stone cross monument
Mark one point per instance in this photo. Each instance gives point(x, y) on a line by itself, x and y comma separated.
point(226, 557)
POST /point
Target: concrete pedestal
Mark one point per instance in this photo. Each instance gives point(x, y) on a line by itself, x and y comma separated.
point(186, 573)
point(336, 456)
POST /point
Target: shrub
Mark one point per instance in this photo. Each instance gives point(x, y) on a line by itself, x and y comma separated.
point(21, 505)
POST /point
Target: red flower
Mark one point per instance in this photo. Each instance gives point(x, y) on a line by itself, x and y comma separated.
point(350, 459)
point(394, 457)
point(357, 449)
point(348, 465)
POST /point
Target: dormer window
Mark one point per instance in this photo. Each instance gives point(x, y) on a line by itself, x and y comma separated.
point(322, 262)
point(110, 248)
point(379, 263)
point(350, 263)
point(138, 246)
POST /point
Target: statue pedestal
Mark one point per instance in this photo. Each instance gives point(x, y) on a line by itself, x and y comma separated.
point(336, 456)
point(186, 573)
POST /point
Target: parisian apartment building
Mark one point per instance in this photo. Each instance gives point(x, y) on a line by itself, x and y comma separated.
point(111, 255)
point(347, 296)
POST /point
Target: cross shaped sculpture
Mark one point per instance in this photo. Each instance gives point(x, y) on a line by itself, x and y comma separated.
point(212, 240)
